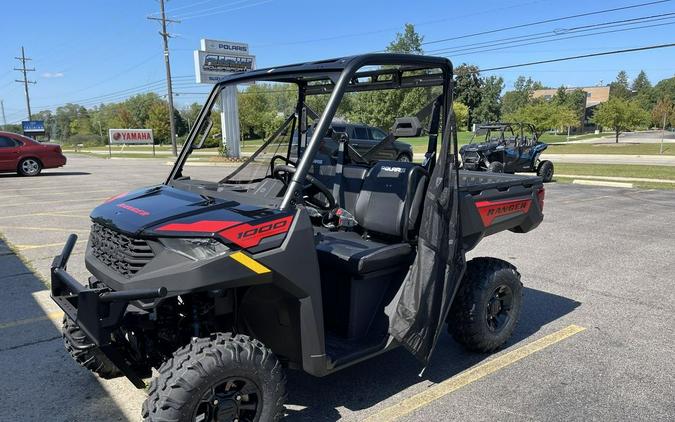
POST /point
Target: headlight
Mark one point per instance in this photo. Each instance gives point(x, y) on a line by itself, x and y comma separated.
point(195, 249)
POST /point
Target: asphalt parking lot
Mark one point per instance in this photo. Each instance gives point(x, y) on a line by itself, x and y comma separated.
point(594, 343)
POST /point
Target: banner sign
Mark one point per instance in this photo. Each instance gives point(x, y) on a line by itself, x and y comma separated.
point(33, 126)
point(217, 59)
point(131, 136)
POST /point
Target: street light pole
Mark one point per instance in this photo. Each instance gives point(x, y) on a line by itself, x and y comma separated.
point(663, 133)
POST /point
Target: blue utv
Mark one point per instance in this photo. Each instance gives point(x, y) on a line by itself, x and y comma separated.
point(506, 148)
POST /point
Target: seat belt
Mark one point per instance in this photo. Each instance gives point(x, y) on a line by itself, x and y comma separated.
point(338, 192)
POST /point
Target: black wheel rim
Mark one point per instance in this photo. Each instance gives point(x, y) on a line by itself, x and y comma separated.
point(499, 308)
point(234, 399)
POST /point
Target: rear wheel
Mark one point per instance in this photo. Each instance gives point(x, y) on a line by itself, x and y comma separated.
point(85, 352)
point(220, 378)
point(486, 309)
point(545, 171)
point(496, 167)
point(30, 167)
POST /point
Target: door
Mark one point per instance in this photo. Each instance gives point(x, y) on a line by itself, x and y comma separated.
point(361, 140)
point(9, 154)
point(386, 153)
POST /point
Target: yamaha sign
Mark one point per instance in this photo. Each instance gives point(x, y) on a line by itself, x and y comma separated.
point(131, 136)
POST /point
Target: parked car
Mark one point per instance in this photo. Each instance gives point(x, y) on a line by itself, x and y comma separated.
point(363, 137)
point(506, 148)
point(26, 156)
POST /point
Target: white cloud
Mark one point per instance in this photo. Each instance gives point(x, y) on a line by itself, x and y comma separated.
point(52, 75)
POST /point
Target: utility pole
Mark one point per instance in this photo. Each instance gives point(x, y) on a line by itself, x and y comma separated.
point(663, 132)
point(25, 80)
point(165, 36)
point(4, 120)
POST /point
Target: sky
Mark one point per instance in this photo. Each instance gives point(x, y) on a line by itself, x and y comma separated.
point(94, 51)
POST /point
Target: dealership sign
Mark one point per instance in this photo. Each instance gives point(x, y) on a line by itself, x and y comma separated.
point(131, 136)
point(33, 127)
point(217, 59)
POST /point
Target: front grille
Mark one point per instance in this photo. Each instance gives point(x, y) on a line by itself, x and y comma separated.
point(121, 253)
point(471, 156)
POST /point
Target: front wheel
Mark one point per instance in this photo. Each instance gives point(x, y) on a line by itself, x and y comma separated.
point(404, 158)
point(496, 167)
point(545, 171)
point(224, 377)
point(486, 309)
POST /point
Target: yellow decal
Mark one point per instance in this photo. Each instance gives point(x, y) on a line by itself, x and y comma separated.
point(250, 263)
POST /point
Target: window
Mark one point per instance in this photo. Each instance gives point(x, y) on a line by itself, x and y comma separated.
point(340, 129)
point(7, 142)
point(360, 132)
point(377, 134)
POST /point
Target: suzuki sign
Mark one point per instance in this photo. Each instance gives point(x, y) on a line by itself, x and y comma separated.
point(131, 136)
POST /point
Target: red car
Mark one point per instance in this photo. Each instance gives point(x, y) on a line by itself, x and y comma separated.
point(26, 156)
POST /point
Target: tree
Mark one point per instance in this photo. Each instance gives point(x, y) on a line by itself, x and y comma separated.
point(520, 96)
point(461, 113)
point(663, 108)
point(621, 115)
point(563, 116)
point(489, 108)
point(538, 113)
point(619, 88)
point(666, 89)
point(468, 88)
point(409, 42)
point(158, 121)
point(643, 91)
point(569, 101)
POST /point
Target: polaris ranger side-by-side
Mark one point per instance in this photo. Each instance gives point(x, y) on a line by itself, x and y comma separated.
point(298, 258)
point(507, 148)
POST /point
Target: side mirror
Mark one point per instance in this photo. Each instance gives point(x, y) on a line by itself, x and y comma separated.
point(204, 133)
point(407, 127)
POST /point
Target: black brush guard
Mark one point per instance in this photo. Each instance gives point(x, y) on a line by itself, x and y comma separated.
point(97, 311)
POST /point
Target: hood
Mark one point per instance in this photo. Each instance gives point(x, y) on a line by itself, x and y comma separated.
point(135, 212)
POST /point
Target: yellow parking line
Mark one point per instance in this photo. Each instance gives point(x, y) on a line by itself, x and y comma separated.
point(47, 229)
point(56, 193)
point(446, 387)
point(53, 316)
point(44, 214)
point(21, 248)
point(33, 203)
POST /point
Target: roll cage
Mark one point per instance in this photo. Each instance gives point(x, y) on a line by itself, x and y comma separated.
point(369, 72)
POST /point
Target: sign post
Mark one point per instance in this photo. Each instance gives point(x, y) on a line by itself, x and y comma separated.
point(213, 62)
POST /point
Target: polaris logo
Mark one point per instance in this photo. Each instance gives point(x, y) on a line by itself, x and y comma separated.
point(393, 169)
point(233, 47)
point(133, 209)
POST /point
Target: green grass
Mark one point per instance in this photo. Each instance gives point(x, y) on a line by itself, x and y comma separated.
point(616, 170)
point(611, 148)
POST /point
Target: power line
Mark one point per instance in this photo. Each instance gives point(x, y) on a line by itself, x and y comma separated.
point(245, 6)
point(554, 33)
point(541, 22)
point(23, 59)
point(583, 56)
point(165, 37)
point(485, 50)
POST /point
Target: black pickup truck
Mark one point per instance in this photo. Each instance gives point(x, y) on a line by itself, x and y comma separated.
point(292, 259)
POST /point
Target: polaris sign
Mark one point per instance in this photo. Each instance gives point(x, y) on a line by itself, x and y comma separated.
point(131, 136)
point(224, 47)
point(217, 59)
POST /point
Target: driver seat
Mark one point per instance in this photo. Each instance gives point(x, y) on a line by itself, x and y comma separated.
point(388, 210)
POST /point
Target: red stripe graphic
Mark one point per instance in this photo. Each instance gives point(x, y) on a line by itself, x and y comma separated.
point(203, 226)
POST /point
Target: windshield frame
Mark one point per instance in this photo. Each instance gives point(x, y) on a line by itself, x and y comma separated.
point(341, 73)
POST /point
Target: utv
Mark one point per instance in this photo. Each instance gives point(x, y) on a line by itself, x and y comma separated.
point(296, 259)
point(507, 148)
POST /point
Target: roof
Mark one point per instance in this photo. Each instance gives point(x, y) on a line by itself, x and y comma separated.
point(323, 69)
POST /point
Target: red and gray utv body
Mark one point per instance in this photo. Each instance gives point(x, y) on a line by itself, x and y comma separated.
point(292, 258)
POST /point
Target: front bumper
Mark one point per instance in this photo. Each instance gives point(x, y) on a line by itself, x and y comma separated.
point(97, 311)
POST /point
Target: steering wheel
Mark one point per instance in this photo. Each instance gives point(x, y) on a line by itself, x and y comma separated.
point(282, 158)
point(313, 187)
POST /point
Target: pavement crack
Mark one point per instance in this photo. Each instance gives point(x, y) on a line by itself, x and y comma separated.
point(30, 343)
